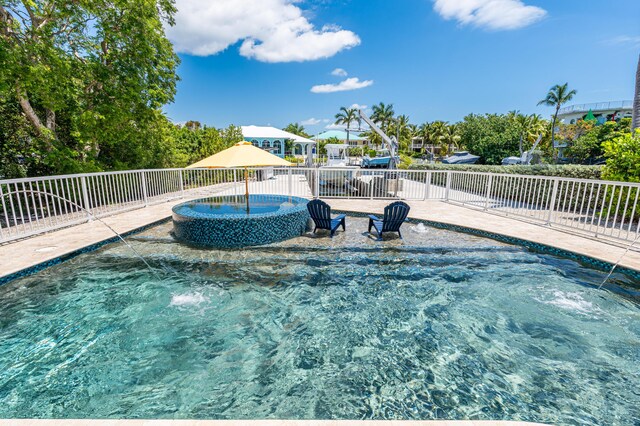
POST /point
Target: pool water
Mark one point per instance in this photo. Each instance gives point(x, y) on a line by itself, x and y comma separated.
point(236, 205)
point(438, 325)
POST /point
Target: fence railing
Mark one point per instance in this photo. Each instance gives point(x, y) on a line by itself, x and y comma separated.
point(590, 207)
point(597, 106)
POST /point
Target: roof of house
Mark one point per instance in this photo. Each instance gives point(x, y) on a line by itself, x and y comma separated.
point(259, 132)
point(338, 134)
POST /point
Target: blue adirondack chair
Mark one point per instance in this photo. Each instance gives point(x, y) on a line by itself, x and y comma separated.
point(394, 216)
point(321, 214)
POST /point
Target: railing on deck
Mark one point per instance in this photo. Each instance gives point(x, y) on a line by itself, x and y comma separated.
point(590, 207)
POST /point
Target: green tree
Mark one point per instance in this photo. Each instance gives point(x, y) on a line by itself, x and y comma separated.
point(383, 115)
point(346, 116)
point(297, 129)
point(449, 138)
point(491, 136)
point(89, 79)
point(401, 128)
point(557, 96)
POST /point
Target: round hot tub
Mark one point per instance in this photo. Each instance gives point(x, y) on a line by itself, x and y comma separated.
point(231, 222)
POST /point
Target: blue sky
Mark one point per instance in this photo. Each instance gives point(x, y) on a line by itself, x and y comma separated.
point(256, 61)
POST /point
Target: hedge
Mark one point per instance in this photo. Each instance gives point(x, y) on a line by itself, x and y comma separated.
point(566, 171)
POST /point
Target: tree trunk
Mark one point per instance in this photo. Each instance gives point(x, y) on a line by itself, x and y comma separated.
point(553, 134)
point(41, 130)
point(635, 121)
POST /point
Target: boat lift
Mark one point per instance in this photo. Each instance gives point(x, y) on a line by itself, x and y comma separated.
point(390, 142)
point(525, 158)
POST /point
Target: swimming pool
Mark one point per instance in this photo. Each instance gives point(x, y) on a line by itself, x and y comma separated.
point(439, 325)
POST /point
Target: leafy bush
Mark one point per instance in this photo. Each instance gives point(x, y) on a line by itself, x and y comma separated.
point(294, 160)
point(623, 158)
point(585, 140)
point(491, 136)
point(567, 171)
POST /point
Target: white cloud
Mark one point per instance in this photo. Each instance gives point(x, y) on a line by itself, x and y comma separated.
point(358, 106)
point(491, 14)
point(334, 126)
point(633, 41)
point(339, 72)
point(311, 122)
point(352, 83)
point(270, 30)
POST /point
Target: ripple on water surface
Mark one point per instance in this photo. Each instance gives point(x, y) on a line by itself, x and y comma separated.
point(439, 325)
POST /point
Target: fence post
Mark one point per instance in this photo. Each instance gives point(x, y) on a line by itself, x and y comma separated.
point(317, 183)
point(235, 181)
point(447, 187)
point(427, 186)
point(552, 203)
point(290, 182)
point(181, 184)
point(143, 180)
point(488, 193)
point(85, 197)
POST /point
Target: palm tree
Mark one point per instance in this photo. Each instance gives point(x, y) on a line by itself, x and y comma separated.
point(635, 121)
point(383, 115)
point(296, 129)
point(558, 95)
point(449, 137)
point(400, 127)
point(347, 116)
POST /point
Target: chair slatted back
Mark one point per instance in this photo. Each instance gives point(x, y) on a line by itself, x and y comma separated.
point(320, 212)
point(394, 216)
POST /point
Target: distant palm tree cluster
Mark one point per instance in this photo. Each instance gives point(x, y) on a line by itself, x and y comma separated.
point(437, 133)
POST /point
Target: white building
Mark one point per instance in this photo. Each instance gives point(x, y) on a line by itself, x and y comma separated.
point(603, 111)
point(274, 140)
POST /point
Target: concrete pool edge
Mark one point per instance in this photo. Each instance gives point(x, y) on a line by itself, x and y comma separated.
point(41, 266)
point(108, 422)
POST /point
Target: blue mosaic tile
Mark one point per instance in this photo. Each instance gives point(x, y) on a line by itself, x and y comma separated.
point(236, 230)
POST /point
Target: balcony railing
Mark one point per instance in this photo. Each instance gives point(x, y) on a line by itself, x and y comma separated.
point(599, 106)
point(594, 208)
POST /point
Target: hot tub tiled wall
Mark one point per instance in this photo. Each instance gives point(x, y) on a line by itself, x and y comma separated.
point(236, 231)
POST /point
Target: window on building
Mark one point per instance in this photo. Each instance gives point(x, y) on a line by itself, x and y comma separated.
point(277, 147)
point(255, 143)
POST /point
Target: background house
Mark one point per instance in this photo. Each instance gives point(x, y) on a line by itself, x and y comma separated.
point(278, 142)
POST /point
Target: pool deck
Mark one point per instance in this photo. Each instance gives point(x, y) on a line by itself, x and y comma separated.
point(21, 254)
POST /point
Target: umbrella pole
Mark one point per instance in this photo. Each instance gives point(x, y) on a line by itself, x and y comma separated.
point(246, 186)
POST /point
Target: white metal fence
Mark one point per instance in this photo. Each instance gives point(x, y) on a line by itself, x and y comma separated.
point(596, 208)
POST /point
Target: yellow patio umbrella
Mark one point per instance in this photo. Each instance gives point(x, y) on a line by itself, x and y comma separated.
point(242, 154)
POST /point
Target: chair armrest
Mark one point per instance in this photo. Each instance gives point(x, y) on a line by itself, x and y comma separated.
point(340, 217)
point(373, 217)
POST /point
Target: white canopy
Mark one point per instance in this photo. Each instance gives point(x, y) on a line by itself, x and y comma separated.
point(260, 132)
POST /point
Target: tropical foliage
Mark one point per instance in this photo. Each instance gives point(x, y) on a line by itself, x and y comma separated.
point(557, 96)
point(297, 129)
point(586, 140)
point(623, 158)
point(494, 137)
point(568, 171)
point(82, 85)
